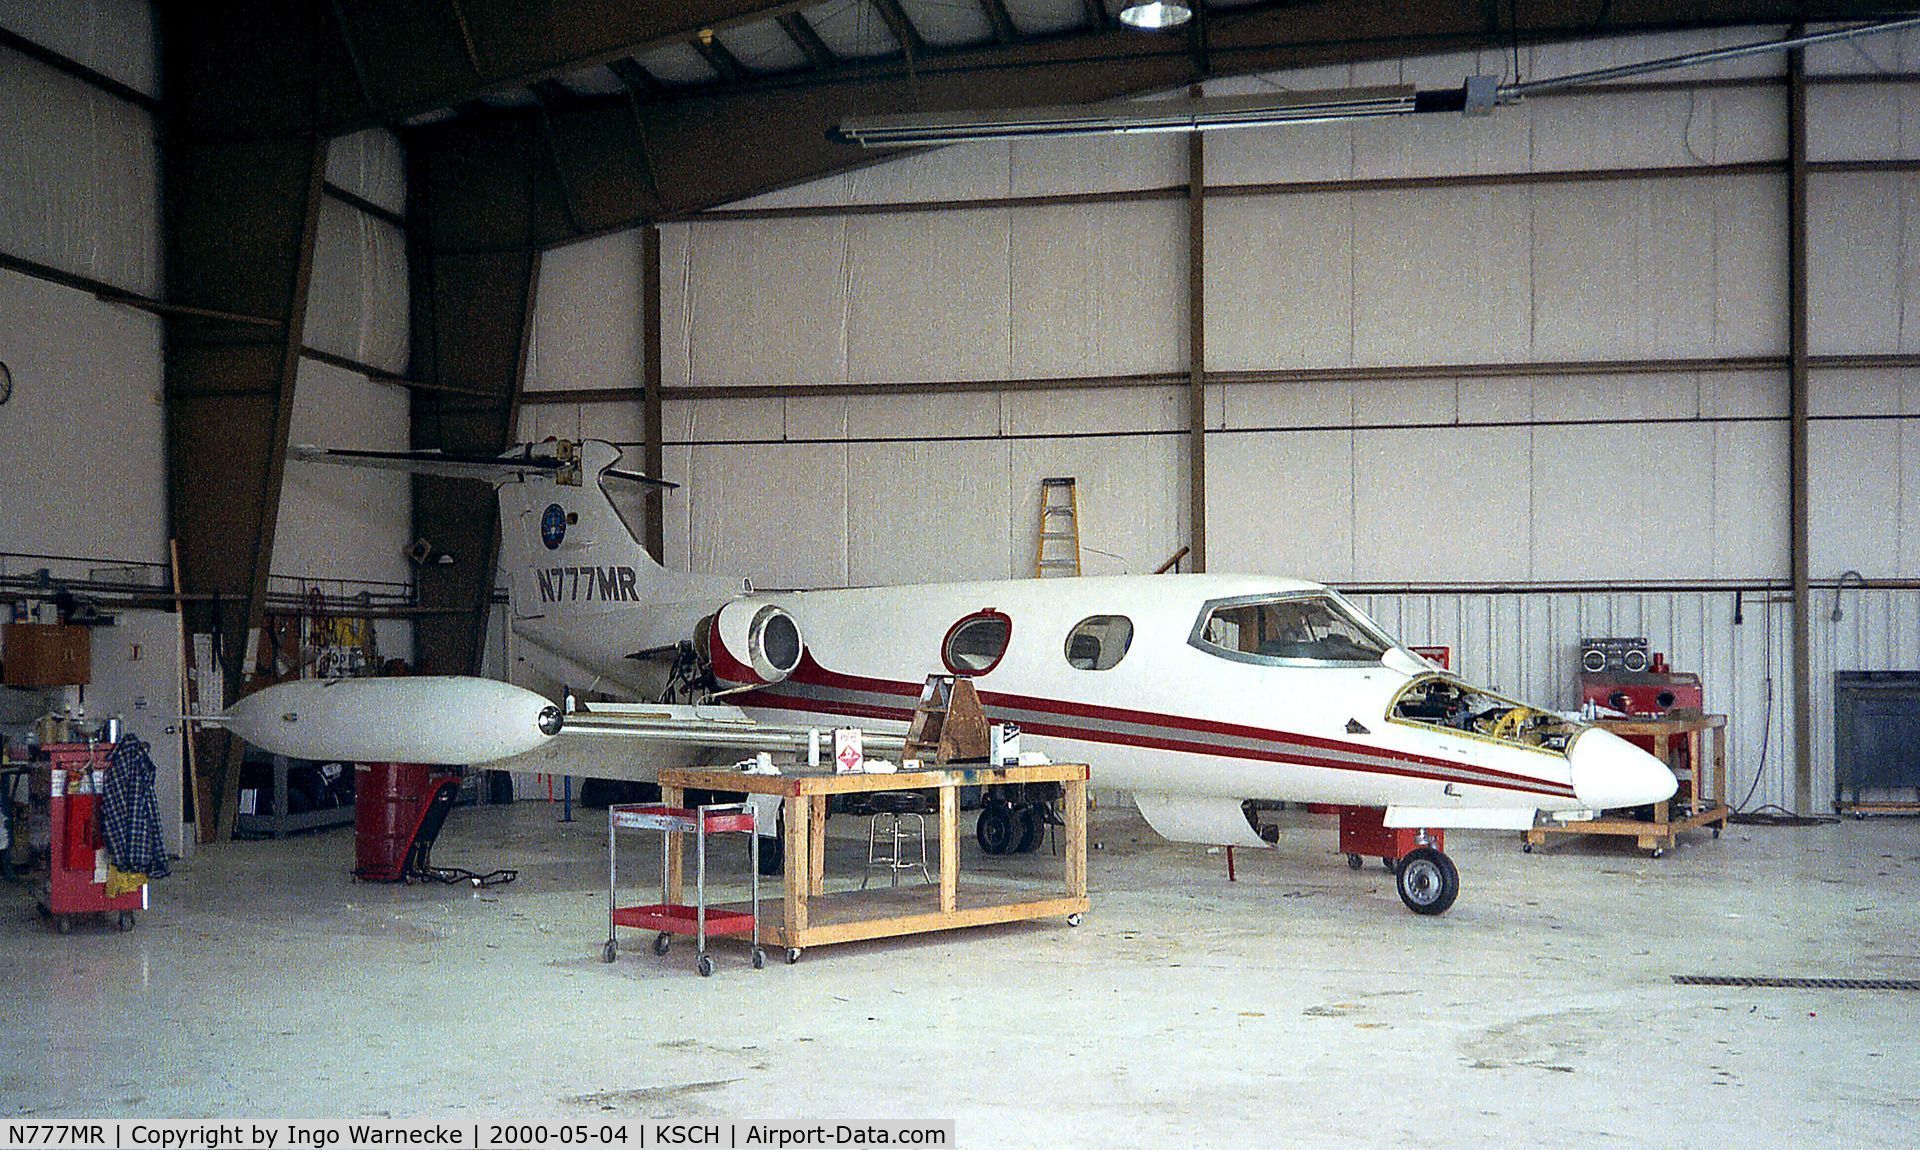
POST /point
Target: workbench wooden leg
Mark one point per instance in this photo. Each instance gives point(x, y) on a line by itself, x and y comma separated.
point(672, 886)
point(817, 846)
point(949, 848)
point(1074, 802)
point(799, 862)
point(1720, 768)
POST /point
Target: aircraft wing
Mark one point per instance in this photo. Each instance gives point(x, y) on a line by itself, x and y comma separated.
point(709, 726)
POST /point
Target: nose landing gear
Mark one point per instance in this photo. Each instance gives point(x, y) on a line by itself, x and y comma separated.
point(1427, 881)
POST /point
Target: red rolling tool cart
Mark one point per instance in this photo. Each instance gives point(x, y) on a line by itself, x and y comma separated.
point(77, 859)
point(671, 918)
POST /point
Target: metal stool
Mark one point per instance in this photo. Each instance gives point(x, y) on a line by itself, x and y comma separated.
point(887, 833)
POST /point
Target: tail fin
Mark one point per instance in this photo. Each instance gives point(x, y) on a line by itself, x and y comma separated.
point(570, 553)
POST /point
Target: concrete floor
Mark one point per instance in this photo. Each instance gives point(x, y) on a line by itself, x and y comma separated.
point(1299, 1006)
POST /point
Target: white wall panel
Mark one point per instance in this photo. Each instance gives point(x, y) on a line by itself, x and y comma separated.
point(1283, 405)
point(775, 513)
point(1750, 501)
point(1281, 504)
point(1132, 500)
point(358, 302)
point(1860, 252)
point(1295, 154)
point(1572, 56)
point(1656, 129)
point(586, 321)
point(968, 413)
point(927, 297)
point(1098, 289)
point(1854, 484)
point(1893, 52)
point(1280, 276)
point(1406, 402)
point(928, 512)
point(1440, 276)
point(768, 302)
point(1397, 147)
point(345, 522)
point(1442, 505)
point(1616, 502)
point(1096, 411)
point(1743, 394)
point(372, 165)
point(84, 434)
point(79, 177)
point(1078, 164)
point(1563, 398)
point(1630, 270)
point(113, 37)
point(1863, 121)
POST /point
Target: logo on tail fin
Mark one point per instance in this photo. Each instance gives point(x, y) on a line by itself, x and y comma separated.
point(553, 526)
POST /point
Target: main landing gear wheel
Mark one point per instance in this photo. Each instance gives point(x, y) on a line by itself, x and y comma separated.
point(1427, 881)
point(1033, 828)
point(773, 851)
point(995, 830)
point(661, 942)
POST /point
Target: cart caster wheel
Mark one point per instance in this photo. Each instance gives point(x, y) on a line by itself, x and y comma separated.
point(1392, 866)
point(759, 959)
point(609, 952)
point(1658, 852)
point(475, 881)
point(1526, 848)
point(1716, 832)
point(1353, 862)
point(41, 909)
point(793, 955)
point(661, 942)
point(704, 966)
point(126, 920)
point(63, 924)
point(1073, 919)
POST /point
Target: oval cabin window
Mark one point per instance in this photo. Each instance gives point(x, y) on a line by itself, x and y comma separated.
point(976, 643)
point(1098, 642)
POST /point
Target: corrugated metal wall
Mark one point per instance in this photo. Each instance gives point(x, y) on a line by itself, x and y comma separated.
point(1503, 483)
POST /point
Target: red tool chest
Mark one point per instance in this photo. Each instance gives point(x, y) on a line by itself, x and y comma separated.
point(77, 858)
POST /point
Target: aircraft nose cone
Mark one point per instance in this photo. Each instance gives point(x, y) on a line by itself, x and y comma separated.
point(1609, 772)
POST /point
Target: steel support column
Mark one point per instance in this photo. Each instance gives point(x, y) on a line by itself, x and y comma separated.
point(652, 428)
point(244, 165)
point(1797, 366)
point(473, 271)
point(1197, 347)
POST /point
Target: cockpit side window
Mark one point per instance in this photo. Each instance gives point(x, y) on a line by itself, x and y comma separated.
point(1287, 630)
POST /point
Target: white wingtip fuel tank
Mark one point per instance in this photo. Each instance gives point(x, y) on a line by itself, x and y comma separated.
point(442, 720)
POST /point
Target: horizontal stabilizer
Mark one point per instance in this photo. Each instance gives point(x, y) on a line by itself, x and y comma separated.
point(490, 468)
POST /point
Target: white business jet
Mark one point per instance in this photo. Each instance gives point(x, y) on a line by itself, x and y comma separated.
point(1196, 693)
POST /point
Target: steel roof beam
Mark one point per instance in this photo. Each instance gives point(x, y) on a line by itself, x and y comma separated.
point(800, 30)
point(773, 131)
point(418, 58)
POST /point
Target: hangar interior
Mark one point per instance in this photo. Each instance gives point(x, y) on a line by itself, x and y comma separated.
point(1630, 359)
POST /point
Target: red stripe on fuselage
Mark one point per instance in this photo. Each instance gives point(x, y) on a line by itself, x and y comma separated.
point(775, 699)
point(811, 673)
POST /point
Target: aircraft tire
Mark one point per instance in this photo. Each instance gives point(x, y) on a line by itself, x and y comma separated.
point(995, 830)
point(773, 851)
point(1032, 820)
point(1427, 881)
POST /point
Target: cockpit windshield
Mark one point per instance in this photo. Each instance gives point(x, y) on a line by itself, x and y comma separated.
point(1288, 630)
point(1437, 701)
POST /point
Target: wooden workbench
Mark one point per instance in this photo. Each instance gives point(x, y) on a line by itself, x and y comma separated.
point(811, 917)
point(1701, 800)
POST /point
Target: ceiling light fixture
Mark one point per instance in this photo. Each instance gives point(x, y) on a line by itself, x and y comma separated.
point(1155, 16)
point(1478, 96)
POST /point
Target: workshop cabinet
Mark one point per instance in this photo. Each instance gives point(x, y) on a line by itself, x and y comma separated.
point(46, 655)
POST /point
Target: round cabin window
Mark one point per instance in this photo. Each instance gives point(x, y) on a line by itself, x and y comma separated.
point(976, 643)
point(1099, 642)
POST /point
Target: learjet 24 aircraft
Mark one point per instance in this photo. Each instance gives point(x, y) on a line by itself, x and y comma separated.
point(1196, 693)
